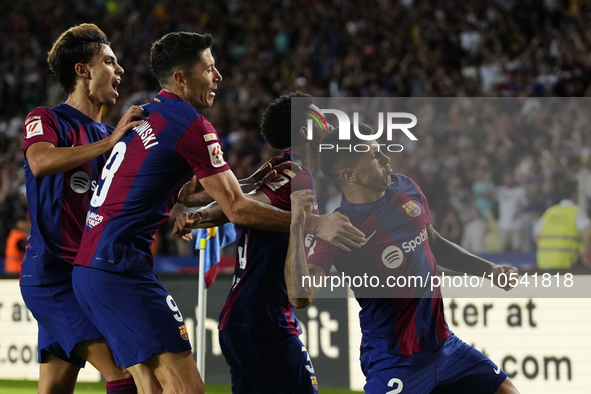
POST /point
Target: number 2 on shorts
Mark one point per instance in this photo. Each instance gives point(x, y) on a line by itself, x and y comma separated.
point(398, 388)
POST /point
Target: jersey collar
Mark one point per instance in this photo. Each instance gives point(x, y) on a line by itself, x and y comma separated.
point(359, 212)
point(163, 95)
point(74, 113)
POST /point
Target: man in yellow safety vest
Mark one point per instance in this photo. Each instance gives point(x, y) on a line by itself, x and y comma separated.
point(563, 233)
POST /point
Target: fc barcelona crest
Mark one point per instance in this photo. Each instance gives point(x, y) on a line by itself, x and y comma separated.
point(184, 333)
point(314, 382)
point(412, 209)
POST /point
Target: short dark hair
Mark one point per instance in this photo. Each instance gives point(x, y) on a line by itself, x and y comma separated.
point(567, 187)
point(332, 161)
point(21, 216)
point(177, 51)
point(78, 44)
point(276, 126)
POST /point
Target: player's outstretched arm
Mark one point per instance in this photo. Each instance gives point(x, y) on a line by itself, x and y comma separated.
point(296, 266)
point(334, 228)
point(193, 195)
point(224, 189)
point(209, 216)
point(45, 159)
point(452, 256)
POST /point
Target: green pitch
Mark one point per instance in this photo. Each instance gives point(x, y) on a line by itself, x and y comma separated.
point(30, 387)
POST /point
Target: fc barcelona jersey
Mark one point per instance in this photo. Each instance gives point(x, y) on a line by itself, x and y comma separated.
point(58, 203)
point(140, 182)
point(401, 321)
point(258, 303)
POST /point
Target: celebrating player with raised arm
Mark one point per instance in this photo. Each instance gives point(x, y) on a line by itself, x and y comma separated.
point(137, 188)
point(65, 148)
point(407, 345)
point(258, 327)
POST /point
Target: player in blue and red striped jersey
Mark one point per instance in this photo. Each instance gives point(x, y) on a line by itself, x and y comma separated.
point(258, 328)
point(113, 278)
point(65, 148)
point(406, 345)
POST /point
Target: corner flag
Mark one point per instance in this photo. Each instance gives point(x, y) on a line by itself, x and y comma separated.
point(214, 239)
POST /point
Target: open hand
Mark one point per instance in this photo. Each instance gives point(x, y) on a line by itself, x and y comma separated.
point(337, 229)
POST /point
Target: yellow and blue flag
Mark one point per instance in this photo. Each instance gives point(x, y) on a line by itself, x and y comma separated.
point(215, 238)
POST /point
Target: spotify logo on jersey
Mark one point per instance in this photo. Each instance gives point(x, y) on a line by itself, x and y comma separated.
point(392, 257)
point(80, 182)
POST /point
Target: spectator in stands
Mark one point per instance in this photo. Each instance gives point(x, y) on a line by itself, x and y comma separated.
point(16, 244)
point(537, 204)
point(450, 225)
point(474, 232)
point(563, 233)
point(584, 178)
point(512, 203)
point(427, 48)
point(483, 190)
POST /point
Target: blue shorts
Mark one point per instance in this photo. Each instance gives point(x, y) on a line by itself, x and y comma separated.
point(455, 367)
point(62, 322)
point(268, 365)
point(135, 313)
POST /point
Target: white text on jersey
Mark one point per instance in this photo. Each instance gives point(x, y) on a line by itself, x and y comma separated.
point(146, 134)
point(413, 243)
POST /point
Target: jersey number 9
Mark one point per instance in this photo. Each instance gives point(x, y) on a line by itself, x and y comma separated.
point(113, 164)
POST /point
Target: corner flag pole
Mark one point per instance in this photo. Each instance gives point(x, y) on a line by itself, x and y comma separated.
point(201, 309)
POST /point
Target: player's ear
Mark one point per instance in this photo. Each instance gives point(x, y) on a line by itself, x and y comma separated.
point(82, 70)
point(347, 175)
point(179, 78)
point(304, 132)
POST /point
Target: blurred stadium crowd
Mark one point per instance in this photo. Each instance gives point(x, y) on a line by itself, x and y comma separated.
point(486, 186)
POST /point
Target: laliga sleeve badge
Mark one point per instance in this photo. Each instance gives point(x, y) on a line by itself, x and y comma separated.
point(33, 126)
point(184, 333)
point(216, 156)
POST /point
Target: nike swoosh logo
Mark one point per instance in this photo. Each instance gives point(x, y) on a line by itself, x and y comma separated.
point(368, 238)
point(497, 370)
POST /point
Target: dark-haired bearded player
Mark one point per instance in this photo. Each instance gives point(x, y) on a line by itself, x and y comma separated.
point(407, 346)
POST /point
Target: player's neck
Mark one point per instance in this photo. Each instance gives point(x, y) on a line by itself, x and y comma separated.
point(360, 195)
point(304, 155)
point(183, 95)
point(174, 90)
point(82, 103)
